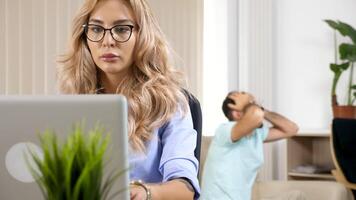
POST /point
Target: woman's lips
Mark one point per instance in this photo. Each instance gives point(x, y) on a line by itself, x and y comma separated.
point(109, 57)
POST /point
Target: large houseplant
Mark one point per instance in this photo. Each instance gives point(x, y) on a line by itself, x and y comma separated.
point(345, 57)
point(73, 169)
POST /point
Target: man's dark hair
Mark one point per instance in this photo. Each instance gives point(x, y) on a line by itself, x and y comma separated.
point(227, 111)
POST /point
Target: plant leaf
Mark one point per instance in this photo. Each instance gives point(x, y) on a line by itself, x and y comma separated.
point(348, 31)
point(353, 87)
point(333, 24)
point(343, 28)
point(339, 68)
point(74, 170)
point(109, 183)
point(348, 52)
point(335, 68)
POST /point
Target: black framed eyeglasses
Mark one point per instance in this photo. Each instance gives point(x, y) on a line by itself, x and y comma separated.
point(120, 33)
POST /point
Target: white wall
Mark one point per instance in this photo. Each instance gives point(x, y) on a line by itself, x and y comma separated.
point(284, 53)
point(215, 71)
point(303, 49)
point(221, 59)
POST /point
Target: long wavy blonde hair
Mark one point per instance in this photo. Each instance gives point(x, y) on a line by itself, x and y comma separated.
point(153, 88)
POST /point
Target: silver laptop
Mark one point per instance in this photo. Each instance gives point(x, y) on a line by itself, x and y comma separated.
point(23, 117)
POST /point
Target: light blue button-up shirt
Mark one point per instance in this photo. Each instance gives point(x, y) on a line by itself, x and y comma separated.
point(170, 154)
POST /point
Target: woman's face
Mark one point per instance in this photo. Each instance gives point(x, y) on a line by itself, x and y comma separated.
point(112, 57)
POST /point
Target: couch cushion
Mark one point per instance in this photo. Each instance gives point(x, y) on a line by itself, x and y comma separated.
point(205, 143)
point(313, 190)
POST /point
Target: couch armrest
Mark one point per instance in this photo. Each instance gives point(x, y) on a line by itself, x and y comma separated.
point(341, 179)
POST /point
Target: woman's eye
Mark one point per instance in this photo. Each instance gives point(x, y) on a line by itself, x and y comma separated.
point(96, 29)
point(122, 29)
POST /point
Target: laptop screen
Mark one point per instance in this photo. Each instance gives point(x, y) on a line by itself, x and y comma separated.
point(22, 118)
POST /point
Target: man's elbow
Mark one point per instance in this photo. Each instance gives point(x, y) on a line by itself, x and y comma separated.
point(254, 116)
point(258, 115)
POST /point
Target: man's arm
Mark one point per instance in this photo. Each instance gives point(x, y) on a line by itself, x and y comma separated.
point(252, 119)
point(281, 126)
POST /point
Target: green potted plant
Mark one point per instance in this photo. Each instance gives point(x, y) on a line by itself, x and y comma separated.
point(345, 57)
point(74, 169)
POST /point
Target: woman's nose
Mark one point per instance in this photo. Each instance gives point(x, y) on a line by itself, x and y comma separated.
point(108, 40)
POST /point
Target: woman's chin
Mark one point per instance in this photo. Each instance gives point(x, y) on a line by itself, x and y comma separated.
point(112, 69)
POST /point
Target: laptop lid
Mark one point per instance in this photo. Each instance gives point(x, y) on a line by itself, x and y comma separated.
point(23, 117)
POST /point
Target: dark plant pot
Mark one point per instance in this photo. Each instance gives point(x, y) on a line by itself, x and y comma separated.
point(345, 112)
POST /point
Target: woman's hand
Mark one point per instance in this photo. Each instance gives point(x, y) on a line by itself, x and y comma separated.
point(241, 100)
point(137, 193)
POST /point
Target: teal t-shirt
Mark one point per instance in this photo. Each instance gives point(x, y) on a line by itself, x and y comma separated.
point(231, 168)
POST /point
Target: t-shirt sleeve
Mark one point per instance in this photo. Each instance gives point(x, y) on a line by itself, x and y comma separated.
point(262, 132)
point(223, 133)
point(179, 142)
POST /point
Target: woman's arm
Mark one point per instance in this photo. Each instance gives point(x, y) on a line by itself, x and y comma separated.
point(178, 189)
point(177, 164)
point(174, 189)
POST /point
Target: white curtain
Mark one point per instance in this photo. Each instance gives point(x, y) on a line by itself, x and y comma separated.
point(182, 22)
point(256, 71)
point(34, 32)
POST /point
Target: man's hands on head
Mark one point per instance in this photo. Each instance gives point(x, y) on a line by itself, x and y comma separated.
point(252, 119)
point(282, 127)
point(253, 115)
point(241, 100)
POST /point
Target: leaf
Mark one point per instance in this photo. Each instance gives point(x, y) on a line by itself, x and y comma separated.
point(332, 23)
point(353, 87)
point(334, 68)
point(74, 170)
point(348, 52)
point(339, 68)
point(354, 99)
point(344, 66)
point(109, 183)
point(348, 31)
point(343, 28)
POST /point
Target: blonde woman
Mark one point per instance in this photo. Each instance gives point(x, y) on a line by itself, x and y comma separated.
point(118, 47)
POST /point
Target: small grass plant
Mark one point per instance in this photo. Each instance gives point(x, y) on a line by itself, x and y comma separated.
point(74, 170)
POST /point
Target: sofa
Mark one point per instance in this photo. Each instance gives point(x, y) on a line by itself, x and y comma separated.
point(272, 190)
